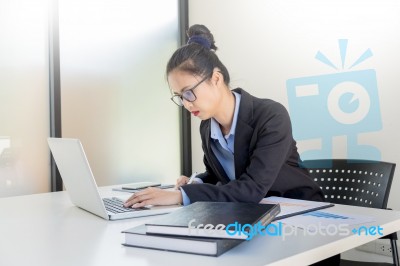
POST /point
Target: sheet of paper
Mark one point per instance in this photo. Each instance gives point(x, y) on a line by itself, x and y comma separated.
point(326, 220)
point(290, 207)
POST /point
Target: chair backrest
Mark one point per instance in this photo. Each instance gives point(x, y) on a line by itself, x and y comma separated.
point(353, 182)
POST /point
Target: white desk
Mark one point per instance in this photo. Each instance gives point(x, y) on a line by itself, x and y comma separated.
point(54, 232)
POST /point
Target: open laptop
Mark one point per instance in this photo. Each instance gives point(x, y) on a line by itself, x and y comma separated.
point(81, 185)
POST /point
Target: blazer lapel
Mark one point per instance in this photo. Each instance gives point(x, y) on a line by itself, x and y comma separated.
point(211, 158)
point(243, 133)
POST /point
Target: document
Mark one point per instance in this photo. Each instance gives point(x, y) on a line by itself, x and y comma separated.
point(326, 219)
point(291, 207)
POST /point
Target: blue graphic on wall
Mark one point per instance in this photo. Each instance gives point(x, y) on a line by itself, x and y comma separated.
point(340, 104)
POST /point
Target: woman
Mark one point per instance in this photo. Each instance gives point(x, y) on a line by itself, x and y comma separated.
point(249, 151)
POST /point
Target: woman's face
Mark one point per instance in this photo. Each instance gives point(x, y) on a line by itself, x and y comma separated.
point(207, 93)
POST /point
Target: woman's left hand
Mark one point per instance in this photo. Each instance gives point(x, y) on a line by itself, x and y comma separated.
point(154, 196)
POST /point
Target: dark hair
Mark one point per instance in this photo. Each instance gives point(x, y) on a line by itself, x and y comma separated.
point(198, 55)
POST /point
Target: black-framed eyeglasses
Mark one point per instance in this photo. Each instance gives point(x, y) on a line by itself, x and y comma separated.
point(188, 94)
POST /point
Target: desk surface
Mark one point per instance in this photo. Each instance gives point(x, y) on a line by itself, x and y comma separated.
point(52, 231)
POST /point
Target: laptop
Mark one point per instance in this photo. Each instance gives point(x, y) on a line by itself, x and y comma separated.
point(81, 186)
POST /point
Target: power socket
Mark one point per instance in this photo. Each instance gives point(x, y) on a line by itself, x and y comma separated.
point(379, 246)
point(383, 247)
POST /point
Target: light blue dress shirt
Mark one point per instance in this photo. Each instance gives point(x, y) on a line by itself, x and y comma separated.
point(222, 146)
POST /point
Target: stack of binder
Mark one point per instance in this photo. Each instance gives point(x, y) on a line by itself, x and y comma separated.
point(203, 228)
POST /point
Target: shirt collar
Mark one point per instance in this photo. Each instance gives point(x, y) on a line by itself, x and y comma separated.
point(216, 132)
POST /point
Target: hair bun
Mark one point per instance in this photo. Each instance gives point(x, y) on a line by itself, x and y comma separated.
point(200, 34)
point(200, 40)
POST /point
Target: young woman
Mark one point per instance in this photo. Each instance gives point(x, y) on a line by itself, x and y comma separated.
point(249, 151)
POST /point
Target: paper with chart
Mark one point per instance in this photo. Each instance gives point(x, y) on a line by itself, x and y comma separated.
point(325, 219)
point(291, 207)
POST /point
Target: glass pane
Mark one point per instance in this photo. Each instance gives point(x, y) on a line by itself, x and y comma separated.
point(24, 97)
point(114, 94)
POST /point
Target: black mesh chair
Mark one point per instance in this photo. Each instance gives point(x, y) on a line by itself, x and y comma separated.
point(355, 182)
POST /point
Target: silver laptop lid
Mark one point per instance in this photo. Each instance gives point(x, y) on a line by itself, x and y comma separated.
point(77, 175)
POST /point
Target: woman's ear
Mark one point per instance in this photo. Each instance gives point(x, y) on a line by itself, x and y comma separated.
point(217, 78)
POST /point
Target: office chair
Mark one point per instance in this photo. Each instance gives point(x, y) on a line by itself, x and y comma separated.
point(355, 182)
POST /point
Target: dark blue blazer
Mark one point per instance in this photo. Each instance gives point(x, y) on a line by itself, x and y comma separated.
point(266, 158)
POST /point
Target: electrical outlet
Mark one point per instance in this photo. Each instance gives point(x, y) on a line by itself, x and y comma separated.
point(383, 247)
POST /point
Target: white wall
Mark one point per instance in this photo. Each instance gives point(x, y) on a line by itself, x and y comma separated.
point(266, 43)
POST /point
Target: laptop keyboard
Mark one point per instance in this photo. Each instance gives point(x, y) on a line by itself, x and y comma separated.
point(116, 205)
